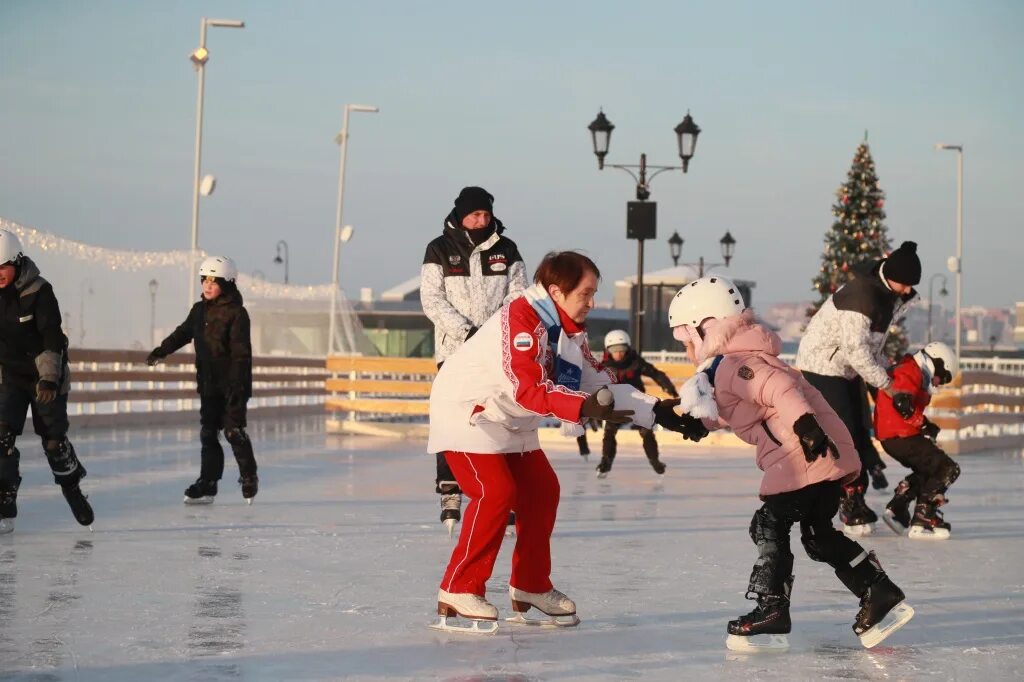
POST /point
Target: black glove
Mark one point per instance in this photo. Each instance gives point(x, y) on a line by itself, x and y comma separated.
point(46, 392)
point(930, 430)
point(665, 417)
point(594, 425)
point(813, 440)
point(469, 334)
point(591, 409)
point(904, 404)
point(154, 357)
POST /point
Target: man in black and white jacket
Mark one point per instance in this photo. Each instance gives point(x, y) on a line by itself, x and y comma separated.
point(842, 349)
point(468, 273)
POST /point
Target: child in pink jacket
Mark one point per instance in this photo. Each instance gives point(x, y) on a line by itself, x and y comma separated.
point(804, 450)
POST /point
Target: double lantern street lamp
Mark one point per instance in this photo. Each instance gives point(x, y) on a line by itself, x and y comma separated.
point(641, 215)
point(727, 244)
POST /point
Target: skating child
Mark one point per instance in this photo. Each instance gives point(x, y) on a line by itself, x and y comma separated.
point(33, 373)
point(218, 325)
point(629, 368)
point(804, 450)
point(909, 437)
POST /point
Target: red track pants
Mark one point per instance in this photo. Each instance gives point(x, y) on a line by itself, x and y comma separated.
point(496, 484)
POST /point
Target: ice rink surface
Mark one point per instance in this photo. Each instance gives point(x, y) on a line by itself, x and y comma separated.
point(333, 572)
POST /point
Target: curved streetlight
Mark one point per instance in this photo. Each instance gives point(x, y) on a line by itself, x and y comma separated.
point(199, 58)
point(942, 292)
point(153, 285)
point(956, 262)
point(279, 260)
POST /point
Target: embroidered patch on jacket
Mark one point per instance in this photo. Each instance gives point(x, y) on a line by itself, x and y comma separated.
point(745, 372)
point(523, 341)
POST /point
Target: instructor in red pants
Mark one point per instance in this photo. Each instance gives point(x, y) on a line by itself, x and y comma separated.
point(528, 362)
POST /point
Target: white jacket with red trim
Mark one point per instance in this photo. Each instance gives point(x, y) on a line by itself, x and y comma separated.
point(492, 394)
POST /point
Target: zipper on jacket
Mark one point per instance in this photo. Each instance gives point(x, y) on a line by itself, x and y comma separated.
point(764, 425)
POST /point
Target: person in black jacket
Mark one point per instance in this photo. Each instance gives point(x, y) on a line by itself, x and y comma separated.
point(630, 368)
point(33, 373)
point(218, 325)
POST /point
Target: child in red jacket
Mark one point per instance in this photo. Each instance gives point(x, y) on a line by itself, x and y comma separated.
point(909, 437)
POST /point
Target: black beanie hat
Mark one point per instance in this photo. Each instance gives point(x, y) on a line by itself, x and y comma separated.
point(903, 265)
point(473, 199)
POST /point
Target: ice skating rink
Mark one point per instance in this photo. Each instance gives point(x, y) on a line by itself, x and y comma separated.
point(333, 572)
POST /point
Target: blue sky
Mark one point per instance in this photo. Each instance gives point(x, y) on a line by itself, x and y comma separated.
point(99, 101)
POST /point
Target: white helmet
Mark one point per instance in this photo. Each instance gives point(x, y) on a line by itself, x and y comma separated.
point(712, 296)
point(219, 266)
point(10, 247)
point(616, 337)
point(940, 359)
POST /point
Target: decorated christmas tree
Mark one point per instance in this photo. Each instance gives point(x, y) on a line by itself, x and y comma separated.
point(858, 238)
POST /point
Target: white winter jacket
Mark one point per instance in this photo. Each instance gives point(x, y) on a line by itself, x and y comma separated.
point(492, 394)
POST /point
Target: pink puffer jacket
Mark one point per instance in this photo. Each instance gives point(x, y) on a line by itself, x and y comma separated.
point(760, 397)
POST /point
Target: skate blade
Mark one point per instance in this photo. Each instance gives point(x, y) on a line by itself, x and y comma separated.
point(248, 501)
point(757, 644)
point(476, 627)
point(567, 621)
point(859, 531)
point(450, 525)
point(602, 474)
point(207, 499)
point(919, 533)
point(6, 526)
point(896, 526)
point(897, 617)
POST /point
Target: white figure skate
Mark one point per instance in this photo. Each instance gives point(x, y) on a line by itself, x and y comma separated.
point(481, 614)
point(561, 610)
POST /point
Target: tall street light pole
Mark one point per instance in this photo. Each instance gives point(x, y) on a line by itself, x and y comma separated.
point(342, 140)
point(199, 58)
point(641, 215)
point(956, 262)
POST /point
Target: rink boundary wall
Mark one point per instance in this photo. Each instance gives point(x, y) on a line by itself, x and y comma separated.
point(388, 397)
point(117, 388)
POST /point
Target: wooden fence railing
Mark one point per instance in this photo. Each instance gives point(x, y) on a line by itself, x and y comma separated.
point(111, 387)
point(982, 410)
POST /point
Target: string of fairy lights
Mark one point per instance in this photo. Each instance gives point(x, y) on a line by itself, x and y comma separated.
point(36, 241)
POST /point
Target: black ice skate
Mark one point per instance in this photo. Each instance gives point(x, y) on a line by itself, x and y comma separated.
point(897, 512)
point(928, 523)
point(603, 467)
point(201, 492)
point(882, 612)
point(8, 506)
point(878, 479)
point(451, 511)
point(857, 517)
point(79, 504)
point(765, 628)
point(250, 486)
point(658, 466)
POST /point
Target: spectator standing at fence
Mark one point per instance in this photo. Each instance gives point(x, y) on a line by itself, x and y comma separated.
point(33, 373)
point(218, 326)
point(468, 273)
